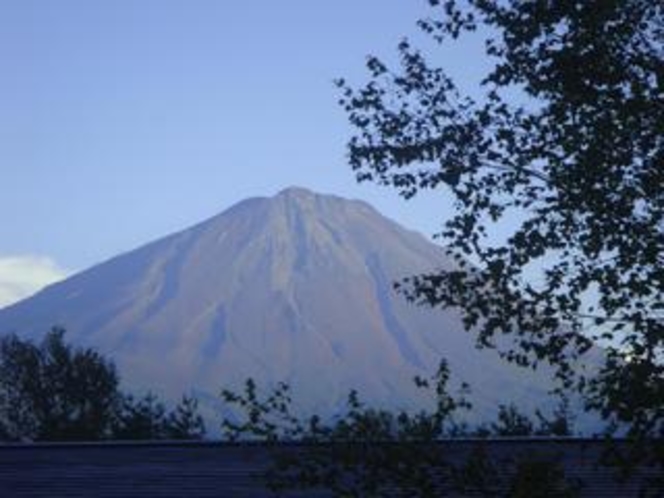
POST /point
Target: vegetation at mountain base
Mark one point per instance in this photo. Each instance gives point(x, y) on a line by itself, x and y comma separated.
point(148, 418)
point(563, 153)
point(53, 391)
point(371, 452)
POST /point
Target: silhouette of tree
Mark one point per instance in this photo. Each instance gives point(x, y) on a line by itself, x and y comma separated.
point(140, 418)
point(147, 418)
point(56, 392)
point(370, 452)
point(184, 421)
point(511, 422)
point(563, 153)
point(53, 391)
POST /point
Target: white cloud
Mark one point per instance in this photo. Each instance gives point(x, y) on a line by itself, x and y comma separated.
point(22, 276)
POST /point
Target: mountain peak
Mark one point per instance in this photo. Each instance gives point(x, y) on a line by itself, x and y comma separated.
point(296, 192)
point(301, 197)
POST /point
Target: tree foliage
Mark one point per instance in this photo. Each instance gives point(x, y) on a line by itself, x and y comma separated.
point(564, 152)
point(147, 418)
point(373, 452)
point(53, 391)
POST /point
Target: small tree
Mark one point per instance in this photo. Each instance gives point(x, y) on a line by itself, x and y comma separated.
point(511, 422)
point(371, 452)
point(54, 391)
point(184, 421)
point(140, 418)
point(148, 418)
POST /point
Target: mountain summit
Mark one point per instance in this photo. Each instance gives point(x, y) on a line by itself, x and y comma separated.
point(295, 288)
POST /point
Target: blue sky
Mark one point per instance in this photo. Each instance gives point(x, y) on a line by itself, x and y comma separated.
point(124, 120)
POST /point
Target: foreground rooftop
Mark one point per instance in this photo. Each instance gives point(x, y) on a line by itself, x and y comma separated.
point(207, 469)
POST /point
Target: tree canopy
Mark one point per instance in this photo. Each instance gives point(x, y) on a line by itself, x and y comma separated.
point(374, 452)
point(564, 151)
point(53, 391)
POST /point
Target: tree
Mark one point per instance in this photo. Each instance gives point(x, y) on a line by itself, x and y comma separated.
point(370, 452)
point(140, 418)
point(56, 392)
point(511, 422)
point(565, 153)
point(53, 391)
point(147, 418)
point(184, 421)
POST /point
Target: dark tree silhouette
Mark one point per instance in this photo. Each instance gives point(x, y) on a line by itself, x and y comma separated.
point(147, 418)
point(140, 418)
point(372, 452)
point(184, 421)
point(56, 392)
point(565, 153)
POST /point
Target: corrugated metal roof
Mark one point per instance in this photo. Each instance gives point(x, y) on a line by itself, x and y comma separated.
point(206, 469)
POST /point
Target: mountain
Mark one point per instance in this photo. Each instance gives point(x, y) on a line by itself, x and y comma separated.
point(296, 287)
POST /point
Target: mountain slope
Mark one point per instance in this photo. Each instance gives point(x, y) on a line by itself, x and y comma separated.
point(297, 287)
